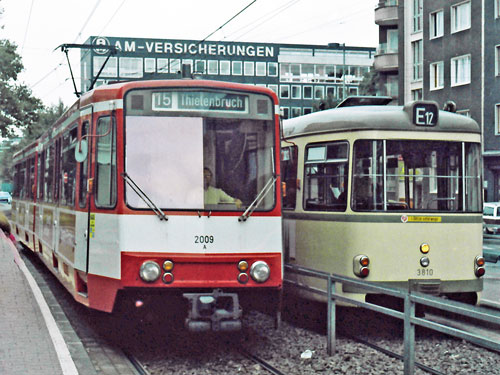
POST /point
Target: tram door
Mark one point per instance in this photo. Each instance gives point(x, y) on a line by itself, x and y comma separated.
point(83, 227)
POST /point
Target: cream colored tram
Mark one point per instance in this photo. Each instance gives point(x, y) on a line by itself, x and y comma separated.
point(387, 194)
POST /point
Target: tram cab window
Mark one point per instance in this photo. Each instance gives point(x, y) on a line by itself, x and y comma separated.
point(169, 162)
point(325, 176)
point(416, 175)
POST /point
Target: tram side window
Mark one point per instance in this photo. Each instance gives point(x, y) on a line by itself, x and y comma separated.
point(30, 180)
point(18, 180)
point(326, 172)
point(82, 183)
point(106, 162)
point(68, 168)
point(416, 175)
point(41, 173)
point(22, 180)
point(289, 176)
point(49, 174)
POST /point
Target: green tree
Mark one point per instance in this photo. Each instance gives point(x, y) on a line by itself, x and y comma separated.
point(19, 109)
point(370, 85)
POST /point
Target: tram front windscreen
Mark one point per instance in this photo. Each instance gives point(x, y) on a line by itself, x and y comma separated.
point(200, 150)
point(435, 176)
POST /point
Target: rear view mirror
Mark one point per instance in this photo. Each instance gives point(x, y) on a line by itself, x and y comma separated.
point(81, 151)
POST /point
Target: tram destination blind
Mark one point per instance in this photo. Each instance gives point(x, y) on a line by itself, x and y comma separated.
point(198, 101)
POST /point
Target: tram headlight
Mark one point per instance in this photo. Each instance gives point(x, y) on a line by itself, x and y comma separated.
point(260, 271)
point(360, 265)
point(425, 261)
point(150, 271)
point(479, 269)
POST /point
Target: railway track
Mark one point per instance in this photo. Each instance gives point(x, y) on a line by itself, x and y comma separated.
point(155, 349)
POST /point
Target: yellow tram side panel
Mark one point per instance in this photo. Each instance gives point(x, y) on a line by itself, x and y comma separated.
point(393, 250)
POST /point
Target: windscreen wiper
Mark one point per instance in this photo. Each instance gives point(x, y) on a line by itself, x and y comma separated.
point(143, 196)
point(262, 194)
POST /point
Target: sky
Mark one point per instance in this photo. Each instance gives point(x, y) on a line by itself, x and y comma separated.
point(38, 27)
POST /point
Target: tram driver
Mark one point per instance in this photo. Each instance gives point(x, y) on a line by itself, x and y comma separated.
point(213, 195)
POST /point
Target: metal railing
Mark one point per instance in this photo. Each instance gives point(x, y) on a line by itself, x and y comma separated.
point(410, 298)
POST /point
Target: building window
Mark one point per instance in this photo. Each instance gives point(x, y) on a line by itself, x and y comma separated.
point(417, 59)
point(391, 87)
point(319, 92)
point(392, 41)
point(213, 67)
point(189, 62)
point(308, 92)
point(296, 111)
point(436, 76)
point(417, 15)
point(162, 65)
point(248, 68)
point(330, 91)
point(497, 119)
point(260, 69)
point(200, 66)
point(131, 67)
point(460, 17)
point(237, 68)
point(460, 70)
point(436, 24)
point(149, 65)
point(295, 70)
point(296, 92)
point(285, 112)
point(284, 91)
point(175, 66)
point(225, 68)
point(497, 60)
point(417, 94)
point(307, 110)
point(272, 69)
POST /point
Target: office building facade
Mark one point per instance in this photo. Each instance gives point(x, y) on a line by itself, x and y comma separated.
point(447, 51)
point(301, 75)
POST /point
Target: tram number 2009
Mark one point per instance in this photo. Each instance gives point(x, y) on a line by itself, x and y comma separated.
point(425, 272)
point(204, 239)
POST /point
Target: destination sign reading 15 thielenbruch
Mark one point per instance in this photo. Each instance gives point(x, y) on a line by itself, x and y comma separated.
point(198, 101)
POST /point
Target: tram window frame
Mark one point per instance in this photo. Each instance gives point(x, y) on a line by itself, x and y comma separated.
point(68, 166)
point(48, 178)
point(289, 170)
point(101, 197)
point(84, 170)
point(41, 172)
point(30, 178)
point(388, 176)
point(327, 157)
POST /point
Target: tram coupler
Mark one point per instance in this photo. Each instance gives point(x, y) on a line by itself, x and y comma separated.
point(216, 311)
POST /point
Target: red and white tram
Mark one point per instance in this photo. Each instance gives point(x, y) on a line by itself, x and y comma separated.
point(159, 187)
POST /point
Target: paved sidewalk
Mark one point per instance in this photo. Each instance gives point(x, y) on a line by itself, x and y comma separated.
point(30, 339)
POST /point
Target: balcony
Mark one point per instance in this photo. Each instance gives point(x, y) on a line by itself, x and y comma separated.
point(386, 59)
point(386, 14)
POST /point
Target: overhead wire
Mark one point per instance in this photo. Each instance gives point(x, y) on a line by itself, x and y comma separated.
point(27, 26)
point(62, 60)
point(225, 23)
point(271, 15)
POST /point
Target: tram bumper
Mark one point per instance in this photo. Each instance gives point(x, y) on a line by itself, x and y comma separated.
point(216, 311)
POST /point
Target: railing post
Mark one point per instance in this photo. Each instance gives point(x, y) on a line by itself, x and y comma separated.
point(330, 345)
point(409, 336)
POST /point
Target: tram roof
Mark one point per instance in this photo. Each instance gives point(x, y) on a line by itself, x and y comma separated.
point(376, 117)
